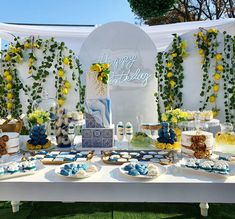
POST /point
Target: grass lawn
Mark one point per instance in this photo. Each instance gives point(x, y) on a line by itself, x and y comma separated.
point(57, 210)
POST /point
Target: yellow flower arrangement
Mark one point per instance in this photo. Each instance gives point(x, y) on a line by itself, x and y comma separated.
point(65, 91)
point(164, 117)
point(38, 117)
point(217, 76)
point(103, 71)
point(174, 116)
point(212, 98)
point(169, 74)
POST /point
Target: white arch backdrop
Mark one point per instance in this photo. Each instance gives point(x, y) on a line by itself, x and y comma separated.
point(161, 36)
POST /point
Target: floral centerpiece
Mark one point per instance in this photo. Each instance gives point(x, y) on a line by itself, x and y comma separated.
point(103, 71)
point(38, 137)
point(174, 117)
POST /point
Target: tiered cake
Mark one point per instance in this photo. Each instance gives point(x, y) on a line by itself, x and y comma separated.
point(98, 131)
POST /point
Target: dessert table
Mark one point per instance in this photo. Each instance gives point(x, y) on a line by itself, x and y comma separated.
point(109, 185)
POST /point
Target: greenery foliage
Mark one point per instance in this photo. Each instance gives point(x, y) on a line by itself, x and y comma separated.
point(57, 60)
point(170, 74)
point(217, 54)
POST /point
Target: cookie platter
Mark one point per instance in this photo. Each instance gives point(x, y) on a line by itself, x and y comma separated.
point(142, 170)
point(18, 169)
point(77, 170)
point(119, 157)
point(212, 167)
point(60, 157)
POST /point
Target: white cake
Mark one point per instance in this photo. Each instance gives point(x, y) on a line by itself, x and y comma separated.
point(97, 103)
point(13, 142)
point(197, 143)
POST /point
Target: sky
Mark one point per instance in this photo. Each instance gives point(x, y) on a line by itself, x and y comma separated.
point(79, 12)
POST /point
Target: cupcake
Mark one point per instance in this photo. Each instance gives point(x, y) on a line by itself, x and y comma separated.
point(13, 168)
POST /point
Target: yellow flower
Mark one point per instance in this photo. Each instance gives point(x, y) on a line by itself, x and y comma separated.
point(201, 51)
point(215, 87)
point(96, 67)
point(217, 76)
point(219, 67)
point(60, 102)
point(13, 49)
point(100, 78)
point(105, 65)
point(66, 61)
point(215, 113)
point(212, 98)
point(8, 78)
point(40, 121)
point(174, 120)
point(65, 91)
point(36, 45)
point(172, 83)
point(169, 74)
point(31, 60)
point(200, 34)
point(169, 64)
point(27, 45)
point(183, 44)
point(67, 84)
point(164, 117)
point(9, 105)
point(9, 86)
point(6, 73)
point(19, 59)
point(7, 57)
point(174, 54)
point(9, 96)
point(61, 73)
point(218, 56)
point(212, 30)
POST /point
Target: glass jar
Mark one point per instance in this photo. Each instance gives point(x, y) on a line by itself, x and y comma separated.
point(226, 136)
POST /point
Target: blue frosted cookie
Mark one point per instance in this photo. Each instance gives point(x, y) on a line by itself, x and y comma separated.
point(133, 172)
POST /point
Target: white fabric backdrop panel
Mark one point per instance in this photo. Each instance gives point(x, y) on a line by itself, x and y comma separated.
point(129, 51)
point(161, 36)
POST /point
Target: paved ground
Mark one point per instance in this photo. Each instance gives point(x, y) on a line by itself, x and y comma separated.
point(57, 210)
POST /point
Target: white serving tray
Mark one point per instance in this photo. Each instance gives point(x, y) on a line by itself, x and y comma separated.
point(39, 166)
point(181, 166)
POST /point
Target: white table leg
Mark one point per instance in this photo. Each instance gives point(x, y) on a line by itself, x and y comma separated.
point(15, 206)
point(204, 209)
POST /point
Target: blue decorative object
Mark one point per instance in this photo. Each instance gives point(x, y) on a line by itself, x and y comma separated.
point(166, 134)
point(38, 135)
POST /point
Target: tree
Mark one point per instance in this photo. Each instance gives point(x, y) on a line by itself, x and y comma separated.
point(182, 10)
point(147, 9)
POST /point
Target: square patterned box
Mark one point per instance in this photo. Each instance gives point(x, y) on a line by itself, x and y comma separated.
point(91, 123)
point(97, 137)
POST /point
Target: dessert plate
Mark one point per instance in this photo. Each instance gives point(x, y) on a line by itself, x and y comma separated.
point(39, 166)
point(25, 149)
point(77, 176)
point(161, 170)
point(182, 166)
